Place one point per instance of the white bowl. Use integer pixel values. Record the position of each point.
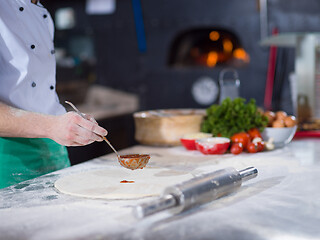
(280, 136)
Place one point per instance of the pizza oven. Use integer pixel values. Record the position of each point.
(207, 47)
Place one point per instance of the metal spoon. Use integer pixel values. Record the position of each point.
(130, 161)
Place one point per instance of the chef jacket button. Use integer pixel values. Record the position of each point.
(21, 9)
(33, 84)
(51, 87)
(33, 46)
(53, 51)
(45, 16)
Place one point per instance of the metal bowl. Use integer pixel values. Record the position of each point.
(280, 136)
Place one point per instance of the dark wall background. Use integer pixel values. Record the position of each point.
(121, 65)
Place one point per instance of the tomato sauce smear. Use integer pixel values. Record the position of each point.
(126, 181)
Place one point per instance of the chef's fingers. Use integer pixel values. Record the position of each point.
(90, 118)
(82, 136)
(91, 127)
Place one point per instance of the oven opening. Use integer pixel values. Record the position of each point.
(207, 47)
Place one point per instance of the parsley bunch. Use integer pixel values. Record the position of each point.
(232, 117)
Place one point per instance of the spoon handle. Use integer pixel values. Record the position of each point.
(104, 138)
(76, 109)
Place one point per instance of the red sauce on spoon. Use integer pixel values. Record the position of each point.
(134, 161)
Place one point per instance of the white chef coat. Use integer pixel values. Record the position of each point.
(27, 57)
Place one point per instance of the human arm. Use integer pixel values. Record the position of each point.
(68, 129)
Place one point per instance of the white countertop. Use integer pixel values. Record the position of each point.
(282, 202)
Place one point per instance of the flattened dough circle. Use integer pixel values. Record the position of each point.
(105, 183)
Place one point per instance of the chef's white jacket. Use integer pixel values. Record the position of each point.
(27, 57)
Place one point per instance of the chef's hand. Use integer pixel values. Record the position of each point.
(71, 129)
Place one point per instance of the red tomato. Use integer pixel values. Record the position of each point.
(236, 148)
(260, 146)
(254, 132)
(252, 147)
(241, 137)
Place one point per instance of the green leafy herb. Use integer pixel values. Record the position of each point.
(232, 117)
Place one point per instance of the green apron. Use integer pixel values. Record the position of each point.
(26, 158)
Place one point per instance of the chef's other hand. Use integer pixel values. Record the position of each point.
(71, 129)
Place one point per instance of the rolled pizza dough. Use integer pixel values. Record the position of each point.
(106, 183)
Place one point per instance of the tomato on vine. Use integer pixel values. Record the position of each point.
(236, 148)
(241, 137)
(254, 133)
(252, 147)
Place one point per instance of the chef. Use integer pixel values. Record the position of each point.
(34, 126)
